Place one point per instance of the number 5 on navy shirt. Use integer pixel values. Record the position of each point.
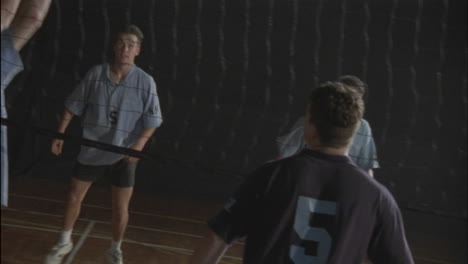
(307, 206)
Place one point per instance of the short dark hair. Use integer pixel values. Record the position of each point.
(336, 111)
(132, 29)
(354, 83)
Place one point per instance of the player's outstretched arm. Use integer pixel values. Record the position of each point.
(27, 20)
(9, 8)
(210, 250)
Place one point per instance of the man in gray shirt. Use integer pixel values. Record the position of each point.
(362, 150)
(118, 105)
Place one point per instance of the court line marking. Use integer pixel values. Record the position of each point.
(31, 227)
(80, 242)
(102, 222)
(6, 220)
(435, 261)
(146, 228)
(99, 222)
(179, 250)
(163, 247)
(175, 249)
(108, 208)
(159, 246)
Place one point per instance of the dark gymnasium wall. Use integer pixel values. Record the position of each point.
(232, 75)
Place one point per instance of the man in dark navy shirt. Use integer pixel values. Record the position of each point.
(316, 206)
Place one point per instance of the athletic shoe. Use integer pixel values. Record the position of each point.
(57, 253)
(114, 256)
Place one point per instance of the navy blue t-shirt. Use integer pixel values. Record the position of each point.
(314, 208)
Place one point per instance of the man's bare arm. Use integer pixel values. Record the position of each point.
(9, 9)
(57, 144)
(27, 20)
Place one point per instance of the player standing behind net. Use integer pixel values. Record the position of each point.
(362, 150)
(20, 20)
(316, 206)
(118, 105)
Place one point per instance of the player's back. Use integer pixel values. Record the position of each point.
(315, 208)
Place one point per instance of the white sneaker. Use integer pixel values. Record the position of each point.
(57, 253)
(114, 256)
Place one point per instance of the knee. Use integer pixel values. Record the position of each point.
(74, 199)
(120, 212)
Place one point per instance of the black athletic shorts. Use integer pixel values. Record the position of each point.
(120, 174)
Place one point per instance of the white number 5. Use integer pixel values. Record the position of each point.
(305, 207)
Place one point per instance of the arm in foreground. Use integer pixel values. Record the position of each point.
(28, 19)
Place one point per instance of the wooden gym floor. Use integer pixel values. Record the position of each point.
(163, 229)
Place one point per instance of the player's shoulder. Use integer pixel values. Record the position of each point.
(97, 71)
(142, 73)
(146, 81)
(365, 126)
(287, 161)
(386, 197)
(378, 192)
(268, 171)
(98, 68)
(365, 122)
(287, 165)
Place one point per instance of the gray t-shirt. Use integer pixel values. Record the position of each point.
(362, 150)
(113, 114)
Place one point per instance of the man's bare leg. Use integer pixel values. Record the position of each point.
(120, 202)
(76, 194)
(78, 190)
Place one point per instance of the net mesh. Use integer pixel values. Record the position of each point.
(233, 75)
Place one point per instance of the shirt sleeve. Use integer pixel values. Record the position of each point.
(388, 243)
(369, 149)
(77, 100)
(372, 154)
(292, 142)
(152, 116)
(363, 150)
(11, 60)
(232, 222)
